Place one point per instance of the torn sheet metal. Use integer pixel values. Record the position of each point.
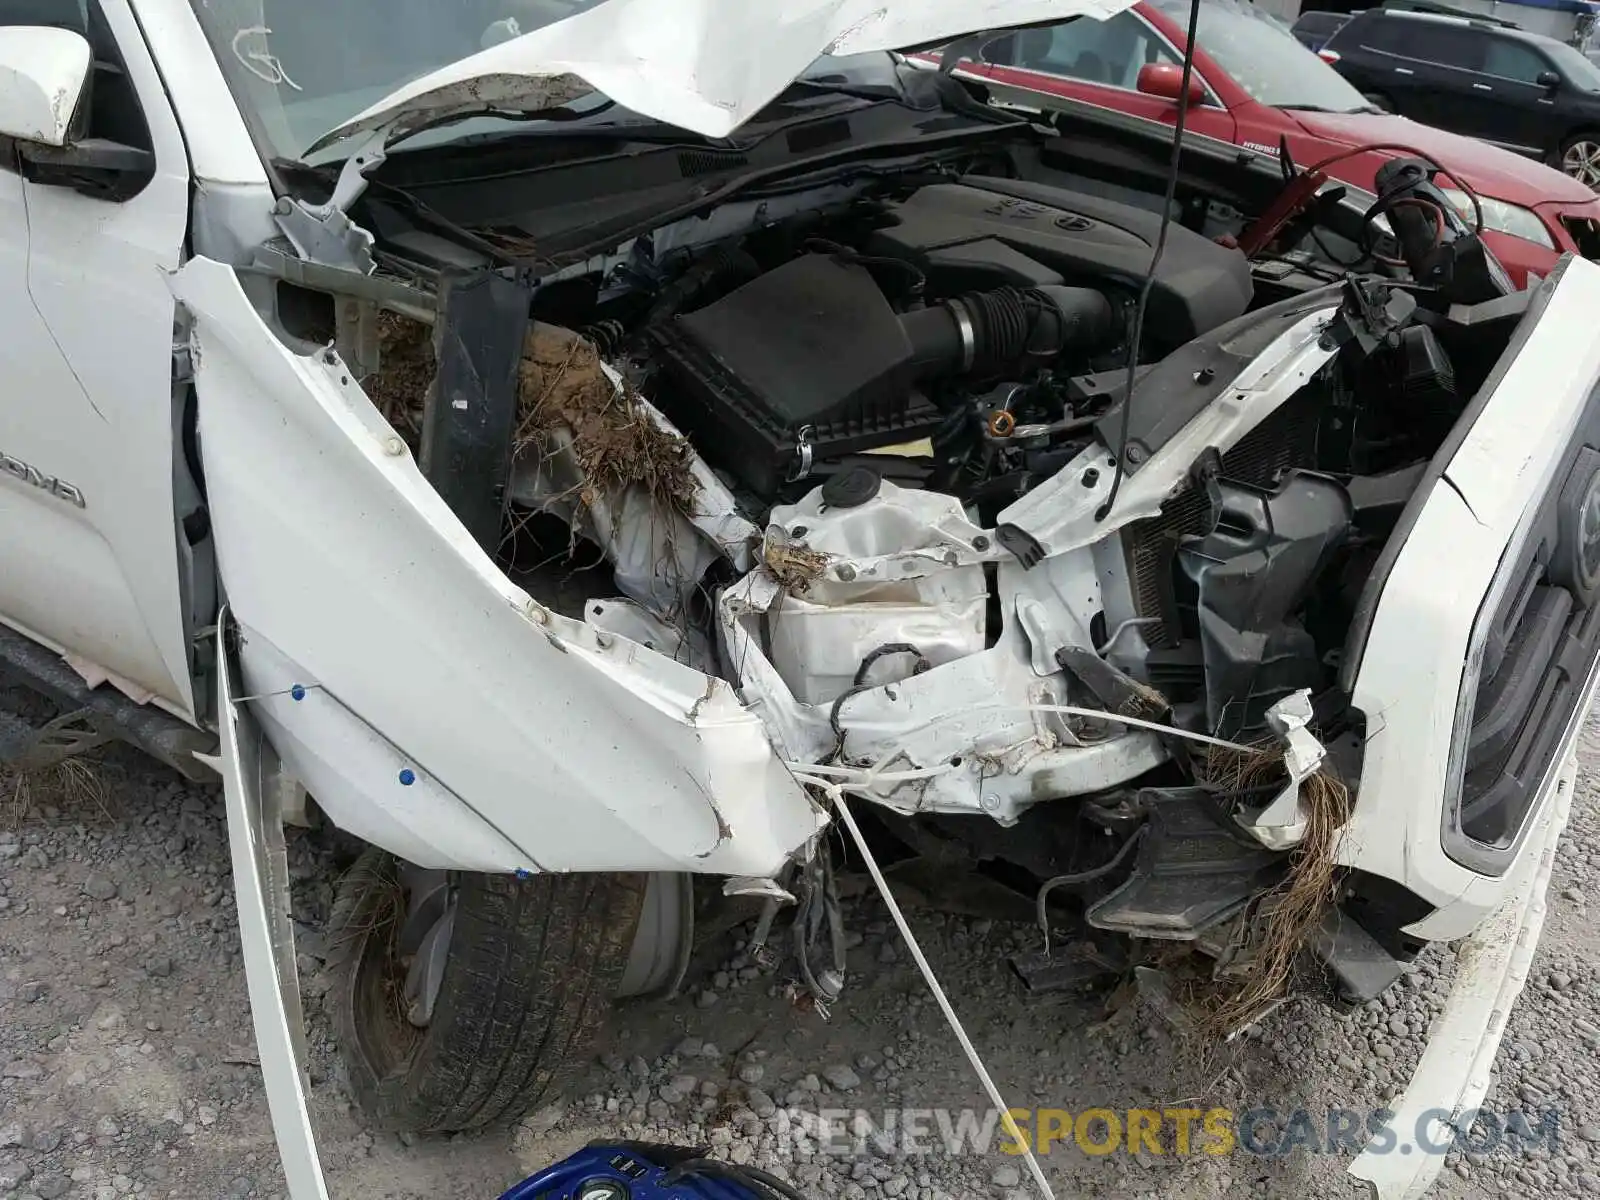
(659, 555)
(682, 643)
(1281, 825)
(977, 728)
(907, 592)
(584, 750)
(707, 65)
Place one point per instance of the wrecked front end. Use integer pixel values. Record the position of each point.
(549, 550)
(565, 555)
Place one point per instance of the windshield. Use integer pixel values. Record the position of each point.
(1264, 58)
(303, 67)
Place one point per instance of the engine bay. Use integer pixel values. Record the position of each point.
(854, 451)
(935, 356)
(882, 379)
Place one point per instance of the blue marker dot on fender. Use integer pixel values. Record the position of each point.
(297, 692)
(407, 776)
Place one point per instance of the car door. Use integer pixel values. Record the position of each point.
(89, 540)
(1508, 104)
(1098, 62)
(1446, 65)
(1380, 55)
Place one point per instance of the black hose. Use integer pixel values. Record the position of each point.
(728, 266)
(1001, 322)
(1104, 869)
(1012, 325)
(983, 334)
(861, 685)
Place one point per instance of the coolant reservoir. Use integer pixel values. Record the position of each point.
(909, 588)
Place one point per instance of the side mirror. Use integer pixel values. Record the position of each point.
(43, 73)
(1166, 80)
(96, 167)
(1548, 79)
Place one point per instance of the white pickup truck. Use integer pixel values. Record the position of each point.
(555, 439)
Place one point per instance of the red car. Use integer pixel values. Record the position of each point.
(1254, 84)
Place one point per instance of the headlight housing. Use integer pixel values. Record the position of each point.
(1503, 217)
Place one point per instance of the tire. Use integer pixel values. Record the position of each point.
(531, 968)
(1579, 156)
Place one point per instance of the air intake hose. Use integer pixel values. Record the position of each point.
(984, 334)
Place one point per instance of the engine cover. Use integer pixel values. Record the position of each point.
(1007, 231)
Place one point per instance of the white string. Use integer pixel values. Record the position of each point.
(835, 792)
(875, 771)
(862, 779)
(288, 691)
(263, 64)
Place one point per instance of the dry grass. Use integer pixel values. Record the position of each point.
(371, 903)
(73, 785)
(614, 441)
(1231, 770)
(562, 388)
(1283, 919)
(406, 367)
(60, 769)
(795, 568)
(377, 902)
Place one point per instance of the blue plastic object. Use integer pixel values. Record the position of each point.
(629, 1171)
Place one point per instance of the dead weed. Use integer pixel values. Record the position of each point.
(795, 567)
(615, 442)
(406, 367)
(1282, 920)
(72, 785)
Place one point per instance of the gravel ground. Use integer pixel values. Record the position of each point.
(127, 1062)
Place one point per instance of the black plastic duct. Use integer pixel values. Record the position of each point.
(1253, 572)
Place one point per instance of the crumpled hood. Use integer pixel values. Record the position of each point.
(1487, 170)
(705, 65)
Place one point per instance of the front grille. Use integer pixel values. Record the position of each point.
(1537, 652)
(1285, 440)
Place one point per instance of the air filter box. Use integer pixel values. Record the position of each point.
(808, 354)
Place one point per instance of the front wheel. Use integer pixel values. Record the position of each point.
(462, 999)
(1579, 157)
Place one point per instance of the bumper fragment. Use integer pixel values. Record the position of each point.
(1492, 968)
(261, 891)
